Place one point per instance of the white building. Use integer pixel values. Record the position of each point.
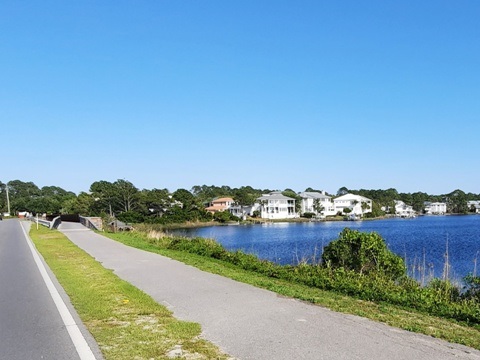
(404, 210)
(318, 203)
(357, 204)
(276, 206)
(242, 211)
(474, 204)
(435, 208)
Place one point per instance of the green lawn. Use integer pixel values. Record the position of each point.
(126, 323)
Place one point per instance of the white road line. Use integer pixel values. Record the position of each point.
(81, 345)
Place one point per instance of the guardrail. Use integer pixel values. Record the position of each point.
(91, 223)
(55, 223)
(39, 221)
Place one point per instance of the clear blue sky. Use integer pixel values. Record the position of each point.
(272, 94)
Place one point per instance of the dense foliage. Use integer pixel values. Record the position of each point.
(365, 253)
(124, 200)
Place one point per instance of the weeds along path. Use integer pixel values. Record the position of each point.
(252, 323)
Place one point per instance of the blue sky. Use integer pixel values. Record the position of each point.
(272, 94)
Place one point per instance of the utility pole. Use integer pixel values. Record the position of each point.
(8, 200)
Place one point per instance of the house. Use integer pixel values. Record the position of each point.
(220, 204)
(435, 208)
(357, 205)
(404, 210)
(474, 206)
(318, 203)
(276, 206)
(241, 211)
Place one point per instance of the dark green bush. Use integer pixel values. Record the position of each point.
(308, 215)
(363, 253)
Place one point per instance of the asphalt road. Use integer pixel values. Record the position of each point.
(31, 326)
(251, 323)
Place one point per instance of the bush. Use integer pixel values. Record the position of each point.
(224, 216)
(131, 217)
(472, 288)
(364, 253)
(309, 215)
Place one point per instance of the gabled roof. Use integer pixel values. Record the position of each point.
(352, 197)
(276, 195)
(216, 208)
(313, 195)
(223, 199)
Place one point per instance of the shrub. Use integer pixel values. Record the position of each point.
(364, 253)
(472, 288)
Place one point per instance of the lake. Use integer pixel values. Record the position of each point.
(422, 241)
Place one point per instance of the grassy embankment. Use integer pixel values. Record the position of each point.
(125, 322)
(407, 306)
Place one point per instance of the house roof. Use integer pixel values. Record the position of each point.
(313, 195)
(276, 195)
(216, 208)
(223, 199)
(352, 197)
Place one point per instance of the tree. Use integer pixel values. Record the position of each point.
(318, 207)
(126, 194)
(457, 202)
(155, 202)
(364, 253)
(224, 216)
(294, 195)
(83, 204)
(103, 192)
(188, 207)
(365, 206)
(342, 191)
(23, 195)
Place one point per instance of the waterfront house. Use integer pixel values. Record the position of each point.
(474, 206)
(220, 204)
(435, 208)
(318, 203)
(403, 210)
(242, 211)
(357, 205)
(276, 206)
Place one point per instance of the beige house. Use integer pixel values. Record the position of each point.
(220, 204)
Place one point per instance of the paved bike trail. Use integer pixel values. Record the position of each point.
(252, 323)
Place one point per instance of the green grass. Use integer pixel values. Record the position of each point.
(394, 315)
(126, 323)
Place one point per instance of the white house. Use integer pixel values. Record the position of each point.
(276, 206)
(403, 210)
(435, 208)
(474, 204)
(357, 204)
(317, 203)
(242, 211)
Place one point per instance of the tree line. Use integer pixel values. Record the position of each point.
(124, 200)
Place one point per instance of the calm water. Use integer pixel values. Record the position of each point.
(289, 243)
